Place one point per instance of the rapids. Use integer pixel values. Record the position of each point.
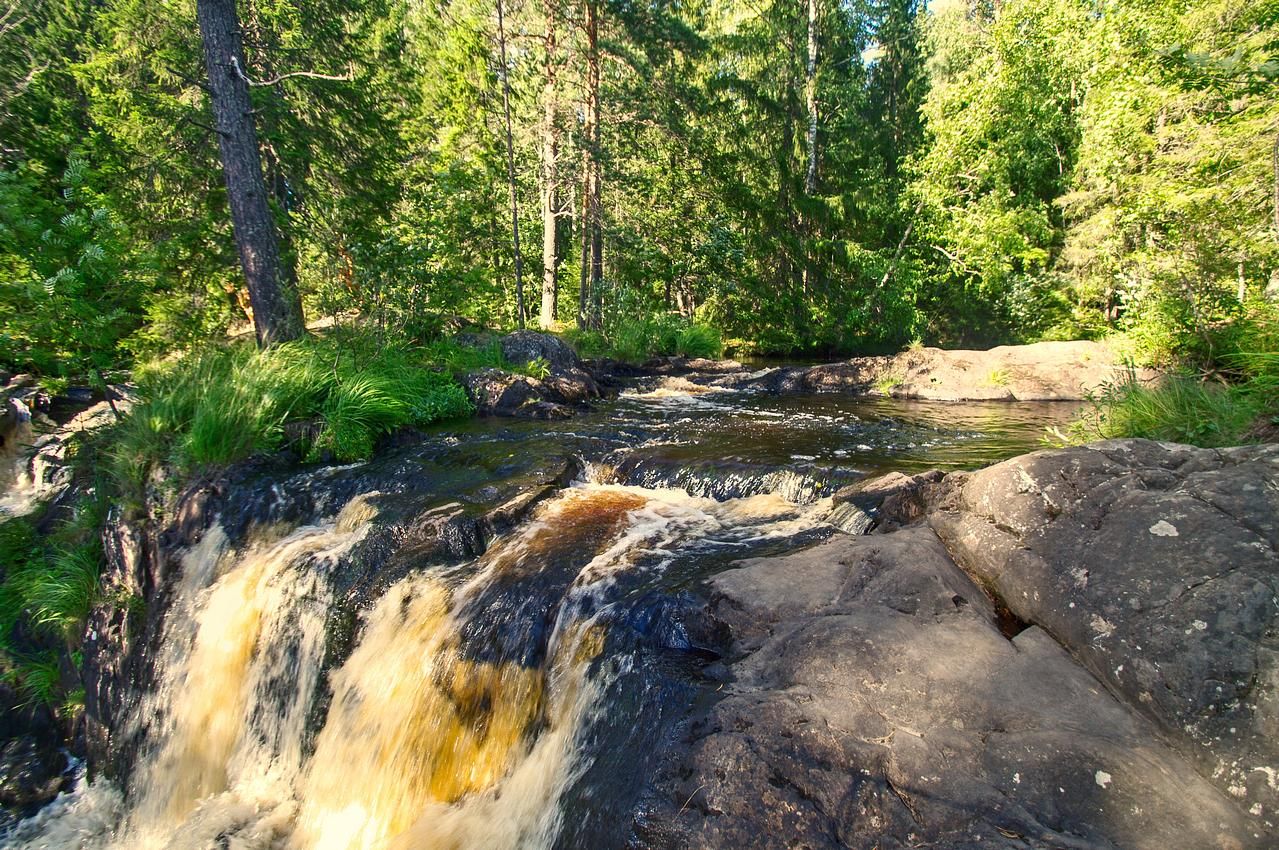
(321, 681)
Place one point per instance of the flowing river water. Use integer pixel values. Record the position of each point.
(324, 680)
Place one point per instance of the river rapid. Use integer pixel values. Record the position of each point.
(483, 638)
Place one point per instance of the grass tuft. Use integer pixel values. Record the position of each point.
(331, 396)
(1179, 409)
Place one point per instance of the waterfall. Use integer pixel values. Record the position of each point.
(455, 721)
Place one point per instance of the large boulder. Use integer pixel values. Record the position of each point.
(524, 347)
(876, 704)
(1157, 567)
(495, 392)
(33, 767)
(1043, 371)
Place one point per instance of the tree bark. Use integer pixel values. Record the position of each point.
(277, 309)
(550, 174)
(510, 171)
(810, 100)
(590, 304)
(1275, 163)
(810, 175)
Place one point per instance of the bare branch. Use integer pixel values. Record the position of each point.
(310, 75)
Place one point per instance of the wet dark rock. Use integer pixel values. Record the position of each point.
(675, 365)
(891, 500)
(131, 580)
(876, 704)
(723, 480)
(15, 424)
(436, 503)
(495, 392)
(33, 765)
(522, 347)
(1157, 567)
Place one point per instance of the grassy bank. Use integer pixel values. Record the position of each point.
(1230, 399)
(326, 397)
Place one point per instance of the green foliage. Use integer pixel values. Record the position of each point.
(1179, 409)
(696, 340)
(70, 292)
(48, 585)
(1241, 405)
(327, 396)
(637, 339)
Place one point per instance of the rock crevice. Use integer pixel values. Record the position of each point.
(1137, 708)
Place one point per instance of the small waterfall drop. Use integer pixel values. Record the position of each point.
(455, 721)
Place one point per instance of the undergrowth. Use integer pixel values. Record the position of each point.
(637, 339)
(48, 585)
(329, 397)
(1236, 402)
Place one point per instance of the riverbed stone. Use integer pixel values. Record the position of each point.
(877, 705)
(495, 392)
(1157, 567)
(893, 500)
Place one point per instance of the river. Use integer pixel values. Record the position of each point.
(363, 657)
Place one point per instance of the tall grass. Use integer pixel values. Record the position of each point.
(1178, 409)
(328, 397)
(48, 585)
(1240, 403)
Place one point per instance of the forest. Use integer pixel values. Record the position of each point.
(247, 245)
(805, 178)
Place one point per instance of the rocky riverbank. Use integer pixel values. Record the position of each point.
(1043, 371)
(1073, 648)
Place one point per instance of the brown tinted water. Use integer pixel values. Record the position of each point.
(507, 700)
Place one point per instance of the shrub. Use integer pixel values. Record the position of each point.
(636, 339)
(699, 341)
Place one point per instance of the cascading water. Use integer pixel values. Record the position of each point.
(454, 722)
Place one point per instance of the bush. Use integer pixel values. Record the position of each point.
(699, 341)
(662, 334)
(1239, 402)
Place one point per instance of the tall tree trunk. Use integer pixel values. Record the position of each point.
(590, 306)
(277, 310)
(810, 100)
(550, 174)
(810, 175)
(1275, 163)
(510, 170)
